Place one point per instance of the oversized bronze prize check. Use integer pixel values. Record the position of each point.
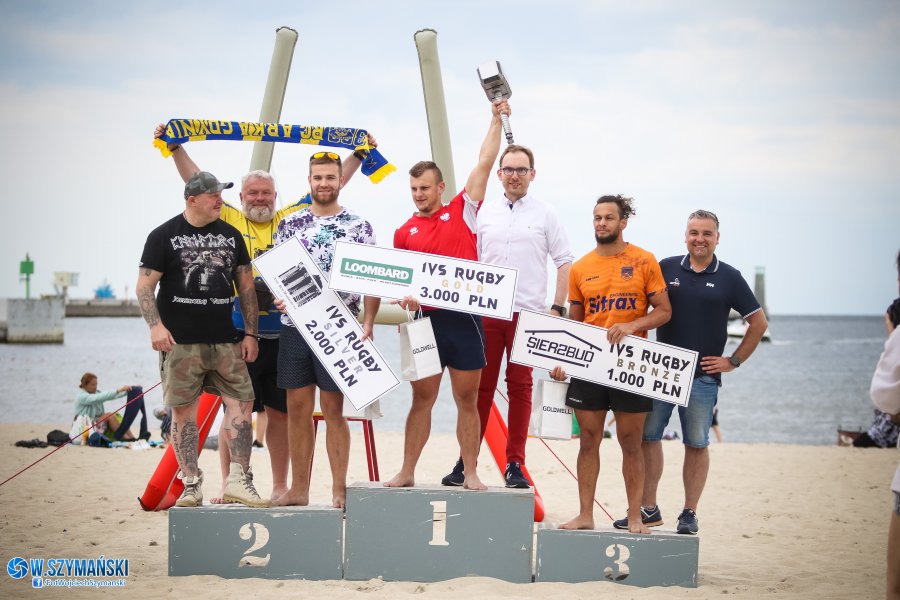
(635, 364)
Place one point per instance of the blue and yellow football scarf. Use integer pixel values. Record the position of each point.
(180, 131)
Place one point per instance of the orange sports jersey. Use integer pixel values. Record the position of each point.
(615, 289)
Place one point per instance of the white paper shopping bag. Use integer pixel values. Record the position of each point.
(550, 417)
(419, 356)
(370, 412)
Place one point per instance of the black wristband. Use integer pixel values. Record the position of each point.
(360, 155)
(253, 335)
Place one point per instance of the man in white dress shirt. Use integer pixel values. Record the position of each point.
(517, 231)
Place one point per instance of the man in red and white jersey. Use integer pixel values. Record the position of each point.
(448, 230)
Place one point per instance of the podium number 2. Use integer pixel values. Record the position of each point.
(439, 524)
(258, 536)
(621, 562)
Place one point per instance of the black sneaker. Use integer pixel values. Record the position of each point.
(514, 477)
(687, 522)
(457, 476)
(650, 518)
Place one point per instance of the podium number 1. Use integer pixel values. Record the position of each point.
(439, 524)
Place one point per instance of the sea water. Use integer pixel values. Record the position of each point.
(813, 377)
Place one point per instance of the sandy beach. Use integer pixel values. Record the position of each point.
(776, 520)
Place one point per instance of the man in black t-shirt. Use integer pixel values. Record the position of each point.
(197, 260)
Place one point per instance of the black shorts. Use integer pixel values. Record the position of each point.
(587, 395)
(264, 377)
(460, 339)
(297, 365)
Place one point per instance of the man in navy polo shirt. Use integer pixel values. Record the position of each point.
(703, 290)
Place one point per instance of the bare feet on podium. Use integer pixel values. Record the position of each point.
(401, 479)
(278, 491)
(473, 482)
(291, 498)
(579, 522)
(339, 496)
(637, 526)
(220, 499)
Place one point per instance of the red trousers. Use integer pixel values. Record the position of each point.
(498, 338)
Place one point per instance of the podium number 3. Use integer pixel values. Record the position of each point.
(621, 562)
(258, 536)
(439, 524)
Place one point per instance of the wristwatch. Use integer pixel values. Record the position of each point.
(734, 360)
(560, 309)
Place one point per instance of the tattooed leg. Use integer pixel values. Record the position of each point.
(185, 437)
(239, 430)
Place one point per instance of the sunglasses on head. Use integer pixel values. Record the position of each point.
(330, 155)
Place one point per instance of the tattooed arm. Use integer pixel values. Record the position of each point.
(250, 310)
(160, 338)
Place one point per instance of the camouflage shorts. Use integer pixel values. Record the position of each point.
(193, 368)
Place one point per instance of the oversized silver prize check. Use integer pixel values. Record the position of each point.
(645, 367)
(326, 324)
(438, 281)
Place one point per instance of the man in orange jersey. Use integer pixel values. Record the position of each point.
(613, 287)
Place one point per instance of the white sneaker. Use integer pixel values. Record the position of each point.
(239, 488)
(192, 495)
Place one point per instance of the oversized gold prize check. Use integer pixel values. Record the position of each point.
(438, 281)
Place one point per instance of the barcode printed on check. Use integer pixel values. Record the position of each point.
(300, 284)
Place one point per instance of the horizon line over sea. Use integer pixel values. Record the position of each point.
(812, 378)
(133, 301)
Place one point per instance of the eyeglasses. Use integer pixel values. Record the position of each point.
(330, 155)
(520, 171)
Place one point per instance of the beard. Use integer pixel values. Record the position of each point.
(259, 214)
(611, 238)
(326, 198)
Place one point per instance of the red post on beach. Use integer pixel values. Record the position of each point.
(496, 435)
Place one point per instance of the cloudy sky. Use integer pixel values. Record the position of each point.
(782, 117)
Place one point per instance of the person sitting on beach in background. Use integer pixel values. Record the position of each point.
(299, 371)
(617, 269)
(191, 328)
(448, 230)
(89, 403)
(885, 393)
(257, 219)
(882, 433)
(703, 291)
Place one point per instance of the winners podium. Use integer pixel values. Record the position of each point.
(429, 533)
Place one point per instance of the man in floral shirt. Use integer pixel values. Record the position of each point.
(299, 371)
